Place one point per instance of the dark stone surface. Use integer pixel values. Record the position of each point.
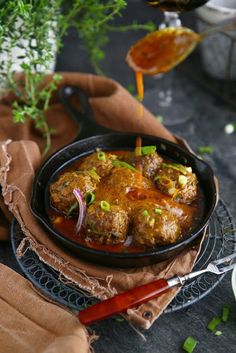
(207, 115)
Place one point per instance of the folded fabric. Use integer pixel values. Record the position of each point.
(31, 324)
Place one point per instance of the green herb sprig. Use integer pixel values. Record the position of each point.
(33, 26)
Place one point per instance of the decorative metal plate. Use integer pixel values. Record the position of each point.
(219, 241)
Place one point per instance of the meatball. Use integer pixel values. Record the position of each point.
(124, 179)
(155, 226)
(177, 181)
(150, 163)
(107, 226)
(61, 191)
(100, 161)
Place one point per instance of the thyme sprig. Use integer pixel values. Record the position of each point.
(33, 26)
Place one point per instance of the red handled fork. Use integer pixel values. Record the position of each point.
(136, 296)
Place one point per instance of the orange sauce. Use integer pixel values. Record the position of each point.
(66, 225)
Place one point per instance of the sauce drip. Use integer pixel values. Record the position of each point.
(138, 144)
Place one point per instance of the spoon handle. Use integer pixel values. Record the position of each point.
(123, 301)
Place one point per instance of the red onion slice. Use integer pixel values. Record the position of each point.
(128, 240)
(82, 209)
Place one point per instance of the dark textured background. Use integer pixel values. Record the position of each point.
(207, 115)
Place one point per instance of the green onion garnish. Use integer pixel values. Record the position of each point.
(182, 180)
(94, 175)
(158, 211)
(225, 312)
(157, 177)
(189, 344)
(152, 222)
(179, 167)
(105, 206)
(71, 209)
(218, 333)
(101, 156)
(145, 213)
(214, 323)
(205, 149)
(119, 319)
(148, 149)
(89, 198)
(122, 164)
(159, 118)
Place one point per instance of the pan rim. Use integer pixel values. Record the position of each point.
(160, 250)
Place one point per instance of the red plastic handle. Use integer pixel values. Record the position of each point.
(121, 302)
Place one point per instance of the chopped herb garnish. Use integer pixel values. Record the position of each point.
(205, 149)
(226, 312)
(189, 344)
(218, 333)
(122, 164)
(148, 149)
(157, 177)
(152, 222)
(94, 175)
(179, 167)
(101, 156)
(158, 211)
(145, 213)
(71, 209)
(119, 319)
(131, 88)
(182, 180)
(105, 206)
(89, 198)
(214, 323)
(159, 118)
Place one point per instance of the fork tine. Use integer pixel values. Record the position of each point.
(227, 268)
(225, 259)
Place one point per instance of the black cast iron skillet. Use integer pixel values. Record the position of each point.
(109, 141)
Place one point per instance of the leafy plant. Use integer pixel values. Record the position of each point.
(33, 26)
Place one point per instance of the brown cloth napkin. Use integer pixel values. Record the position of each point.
(30, 324)
(113, 107)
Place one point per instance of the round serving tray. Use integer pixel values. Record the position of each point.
(220, 241)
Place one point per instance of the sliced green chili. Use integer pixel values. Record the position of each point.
(122, 164)
(226, 312)
(89, 198)
(148, 149)
(214, 323)
(189, 344)
(101, 156)
(158, 211)
(145, 213)
(105, 206)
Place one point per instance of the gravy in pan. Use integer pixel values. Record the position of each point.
(136, 200)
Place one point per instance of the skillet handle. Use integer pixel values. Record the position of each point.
(84, 117)
(123, 301)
